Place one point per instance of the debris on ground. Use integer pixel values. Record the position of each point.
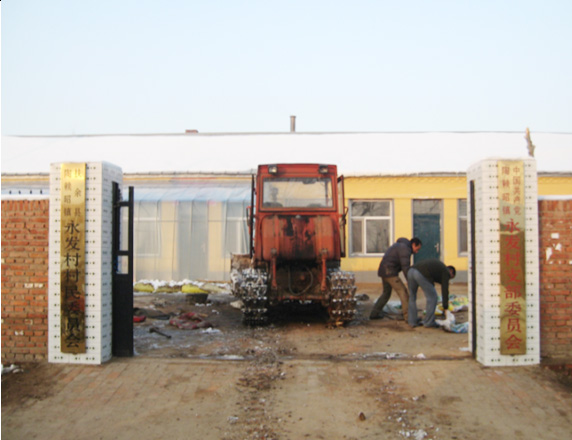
(185, 286)
(255, 419)
(456, 304)
(237, 304)
(446, 319)
(11, 369)
(159, 332)
(190, 321)
(418, 434)
(392, 310)
(460, 328)
(449, 323)
(151, 314)
(387, 355)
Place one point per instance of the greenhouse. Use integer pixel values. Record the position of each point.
(189, 230)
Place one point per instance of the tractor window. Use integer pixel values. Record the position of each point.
(311, 192)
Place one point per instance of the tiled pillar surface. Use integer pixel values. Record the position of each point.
(487, 248)
(98, 241)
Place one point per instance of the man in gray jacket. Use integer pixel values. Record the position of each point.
(425, 274)
(397, 258)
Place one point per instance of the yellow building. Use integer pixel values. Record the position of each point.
(432, 207)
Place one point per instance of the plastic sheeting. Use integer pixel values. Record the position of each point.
(190, 231)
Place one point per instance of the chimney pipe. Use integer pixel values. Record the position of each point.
(292, 124)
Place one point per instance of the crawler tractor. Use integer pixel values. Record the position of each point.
(296, 224)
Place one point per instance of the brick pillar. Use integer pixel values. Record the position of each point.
(555, 230)
(25, 243)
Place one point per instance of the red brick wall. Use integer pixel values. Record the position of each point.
(25, 242)
(555, 242)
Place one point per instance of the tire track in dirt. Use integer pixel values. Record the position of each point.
(254, 418)
(397, 413)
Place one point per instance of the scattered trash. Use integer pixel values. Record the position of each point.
(460, 328)
(456, 304)
(152, 314)
(392, 310)
(192, 289)
(362, 297)
(197, 298)
(420, 356)
(159, 332)
(386, 355)
(236, 304)
(361, 416)
(232, 357)
(210, 330)
(139, 318)
(12, 369)
(143, 286)
(190, 321)
(447, 322)
(185, 286)
(159, 303)
(450, 325)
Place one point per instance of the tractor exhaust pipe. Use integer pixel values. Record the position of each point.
(292, 124)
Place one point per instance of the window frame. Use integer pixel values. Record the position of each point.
(460, 220)
(363, 220)
(294, 182)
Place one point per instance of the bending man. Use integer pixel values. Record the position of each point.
(425, 274)
(397, 258)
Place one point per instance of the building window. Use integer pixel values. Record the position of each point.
(463, 238)
(370, 227)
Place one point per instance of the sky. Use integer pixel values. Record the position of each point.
(138, 67)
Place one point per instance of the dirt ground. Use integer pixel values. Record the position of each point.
(301, 329)
(293, 379)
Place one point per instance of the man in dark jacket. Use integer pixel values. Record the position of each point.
(397, 258)
(425, 274)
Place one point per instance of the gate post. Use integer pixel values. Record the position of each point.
(80, 262)
(122, 275)
(504, 327)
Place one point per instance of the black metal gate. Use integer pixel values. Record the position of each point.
(473, 267)
(122, 277)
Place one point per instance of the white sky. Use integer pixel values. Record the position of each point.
(140, 66)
